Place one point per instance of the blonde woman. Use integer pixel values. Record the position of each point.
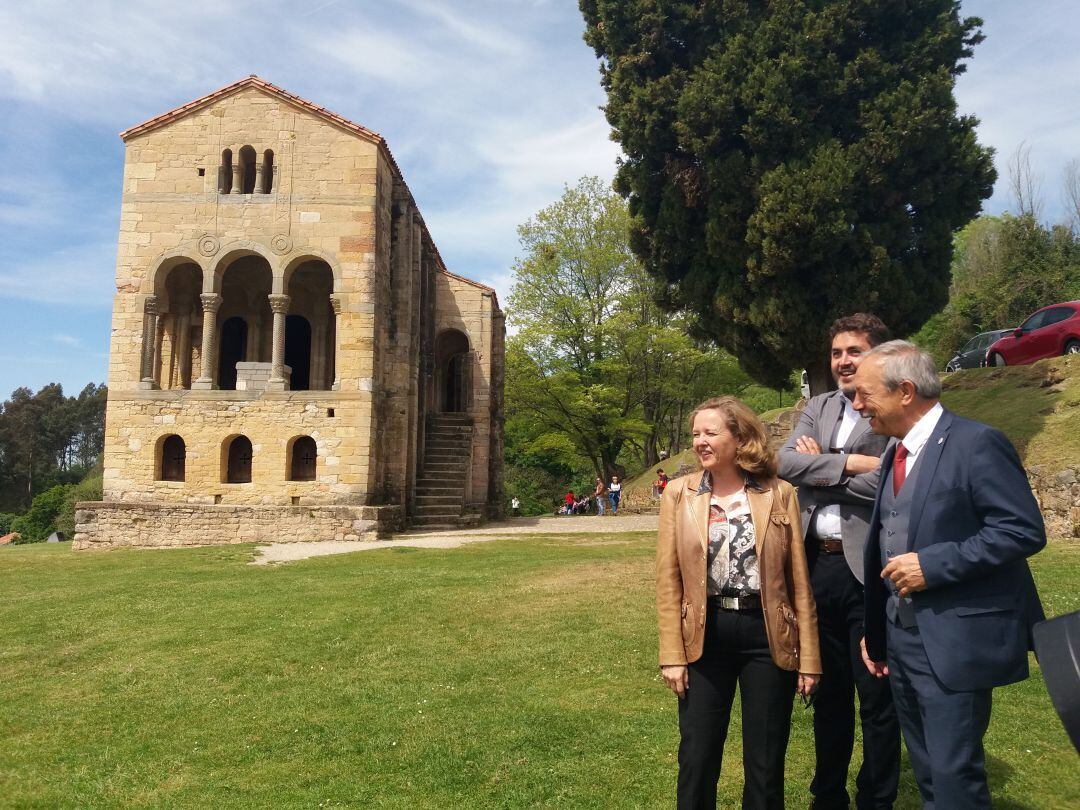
(734, 605)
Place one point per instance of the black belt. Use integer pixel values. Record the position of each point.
(748, 602)
(830, 546)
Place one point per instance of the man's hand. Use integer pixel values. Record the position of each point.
(677, 678)
(877, 668)
(857, 464)
(807, 445)
(906, 573)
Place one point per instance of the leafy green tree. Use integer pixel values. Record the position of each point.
(790, 162)
(595, 368)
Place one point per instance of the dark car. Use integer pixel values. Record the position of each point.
(1051, 331)
(973, 353)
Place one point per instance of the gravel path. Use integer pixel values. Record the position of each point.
(289, 552)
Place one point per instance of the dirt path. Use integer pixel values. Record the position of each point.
(289, 552)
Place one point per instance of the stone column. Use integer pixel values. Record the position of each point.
(237, 174)
(149, 342)
(258, 176)
(279, 304)
(317, 363)
(335, 303)
(211, 302)
(182, 349)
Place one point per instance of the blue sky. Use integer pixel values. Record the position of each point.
(489, 106)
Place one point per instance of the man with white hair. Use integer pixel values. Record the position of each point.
(950, 600)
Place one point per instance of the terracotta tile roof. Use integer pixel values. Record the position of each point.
(296, 101)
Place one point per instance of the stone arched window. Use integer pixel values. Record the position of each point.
(303, 459)
(225, 172)
(267, 172)
(171, 461)
(247, 169)
(238, 461)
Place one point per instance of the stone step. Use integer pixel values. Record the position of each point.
(441, 511)
(435, 500)
(442, 466)
(462, 446)
(440, 457)
(437, 486)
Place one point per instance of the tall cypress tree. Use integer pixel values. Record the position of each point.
(791, 161)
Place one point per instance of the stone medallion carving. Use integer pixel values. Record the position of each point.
(281, 244)
(209, 245)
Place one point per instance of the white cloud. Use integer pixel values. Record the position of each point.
(70, 341)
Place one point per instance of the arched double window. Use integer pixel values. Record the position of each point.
(172, 459)
(248, 175)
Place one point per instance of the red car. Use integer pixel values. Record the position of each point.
(1051, 331)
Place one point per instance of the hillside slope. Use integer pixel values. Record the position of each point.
(1037, 407)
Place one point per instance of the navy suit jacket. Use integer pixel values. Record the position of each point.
(974, 521)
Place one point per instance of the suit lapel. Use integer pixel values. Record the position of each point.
(761, 501)
(860, 428)
(830, 414)
(927, 464)
(698, 504)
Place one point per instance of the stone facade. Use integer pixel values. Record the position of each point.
(283, 332)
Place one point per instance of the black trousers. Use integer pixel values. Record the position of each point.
(736, 652)
(840, 610)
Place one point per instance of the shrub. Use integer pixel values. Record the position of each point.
(40, 521)
(6, 520)
(89, 489)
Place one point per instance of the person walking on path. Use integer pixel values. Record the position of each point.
(600, 493)
(615, 489)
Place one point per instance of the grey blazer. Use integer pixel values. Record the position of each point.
(821, 479)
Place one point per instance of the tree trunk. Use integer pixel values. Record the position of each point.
(820, 377)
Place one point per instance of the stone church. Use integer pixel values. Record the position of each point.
(290, 357)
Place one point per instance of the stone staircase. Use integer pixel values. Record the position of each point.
(440, 486)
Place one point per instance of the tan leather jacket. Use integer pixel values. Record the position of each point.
(682, 560)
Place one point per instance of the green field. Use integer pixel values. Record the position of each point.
(516, 673)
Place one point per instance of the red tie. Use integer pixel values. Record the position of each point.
(899, 468)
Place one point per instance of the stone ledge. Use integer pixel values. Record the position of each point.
(110, 524)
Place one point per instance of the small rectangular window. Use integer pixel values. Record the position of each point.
(330, 412)
(202, 172)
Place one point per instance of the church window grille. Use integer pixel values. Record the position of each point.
(173, 458)
(238, 470)
(304, 459)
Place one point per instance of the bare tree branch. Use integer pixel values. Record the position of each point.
(1026, 186)
(1071, 182)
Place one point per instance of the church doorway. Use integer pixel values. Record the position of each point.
(453, 372)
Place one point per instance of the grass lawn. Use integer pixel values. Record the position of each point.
(505, 674)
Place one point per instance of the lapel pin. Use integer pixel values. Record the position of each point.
(941, 440)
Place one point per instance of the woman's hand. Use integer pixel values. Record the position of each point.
(807, 684)
(677, 678)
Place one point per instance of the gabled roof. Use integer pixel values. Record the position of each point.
(266, 87)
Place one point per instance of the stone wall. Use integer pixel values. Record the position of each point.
(155, 525)
(1058, 494)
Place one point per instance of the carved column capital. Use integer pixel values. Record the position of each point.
(211, 302)
(279, 304)
(150, 305)
(335, 304)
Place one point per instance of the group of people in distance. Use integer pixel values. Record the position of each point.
(602, 495)
(897, 571)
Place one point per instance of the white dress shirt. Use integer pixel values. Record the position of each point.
(916, 438)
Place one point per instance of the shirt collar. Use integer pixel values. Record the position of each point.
(706, 483)
(920, 432)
